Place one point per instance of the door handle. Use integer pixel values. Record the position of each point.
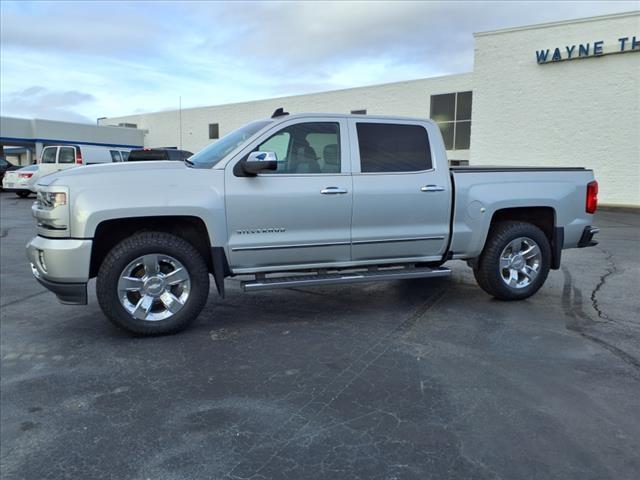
(333, 191)
(432, 188)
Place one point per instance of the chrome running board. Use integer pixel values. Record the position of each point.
(341, 278)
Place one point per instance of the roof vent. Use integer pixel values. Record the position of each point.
(279, 113)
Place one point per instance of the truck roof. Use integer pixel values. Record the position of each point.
(283, 117)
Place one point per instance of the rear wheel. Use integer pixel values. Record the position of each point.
(153, 283)
(515, 261)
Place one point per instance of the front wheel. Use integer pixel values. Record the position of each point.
(153, 283)
(515, 261)
(23, 194)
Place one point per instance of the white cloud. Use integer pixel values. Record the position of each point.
(141, 56)
(41, 102)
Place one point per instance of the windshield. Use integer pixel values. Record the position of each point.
(212, 154)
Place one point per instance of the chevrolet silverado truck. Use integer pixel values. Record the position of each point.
(300, 200)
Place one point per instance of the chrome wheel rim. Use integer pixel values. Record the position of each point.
(520, 262)
(154, 287)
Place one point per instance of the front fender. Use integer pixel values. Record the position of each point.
(90, 207)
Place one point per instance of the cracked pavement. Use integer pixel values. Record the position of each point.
(399, 380)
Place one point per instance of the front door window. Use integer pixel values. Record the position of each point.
(304, 148)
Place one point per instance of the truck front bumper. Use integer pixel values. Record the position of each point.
(62, 266)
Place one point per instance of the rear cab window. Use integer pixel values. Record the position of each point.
(174, 155)
(49, 155)
(393, 148)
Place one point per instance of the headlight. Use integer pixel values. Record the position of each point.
(52, 221)
(49, 200)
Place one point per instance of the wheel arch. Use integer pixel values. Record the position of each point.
(109, 233)
(543, 217)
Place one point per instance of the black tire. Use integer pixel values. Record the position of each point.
(487, 269)
(146, 243)
(23, 194)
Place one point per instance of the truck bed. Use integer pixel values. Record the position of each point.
(478, 192)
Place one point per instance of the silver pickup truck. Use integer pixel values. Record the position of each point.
(300, 200)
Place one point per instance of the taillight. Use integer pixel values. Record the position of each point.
(78, 157)
(592, 197)
(25, 175)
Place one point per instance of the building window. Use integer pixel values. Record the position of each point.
(214, 131)
(358, 112)
(452, 113)
(127, 125)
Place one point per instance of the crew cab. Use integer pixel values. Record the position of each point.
(300, 200)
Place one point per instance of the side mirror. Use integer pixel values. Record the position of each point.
(258, 162)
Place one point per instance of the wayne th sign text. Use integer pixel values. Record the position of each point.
(586, 50)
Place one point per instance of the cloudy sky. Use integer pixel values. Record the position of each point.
(82, 60)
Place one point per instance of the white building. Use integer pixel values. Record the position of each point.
(22, 139)
(564, 93)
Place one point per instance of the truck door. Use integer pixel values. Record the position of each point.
(66, 158)
(48, 161)
(401, 195)
(299, 214)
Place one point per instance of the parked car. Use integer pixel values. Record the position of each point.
(21, 181)
(62, 157)
(154, 154)
(301, 200)
(6, 166)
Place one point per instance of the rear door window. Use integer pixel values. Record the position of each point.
(49, 155)
(67, 155)
(115, 156)
(390, 147)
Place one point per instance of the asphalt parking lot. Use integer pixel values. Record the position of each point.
(400, 380)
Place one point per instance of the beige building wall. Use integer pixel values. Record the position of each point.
(583, 112)
(411, 98)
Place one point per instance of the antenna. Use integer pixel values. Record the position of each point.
(279, 113)
(180, 118)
